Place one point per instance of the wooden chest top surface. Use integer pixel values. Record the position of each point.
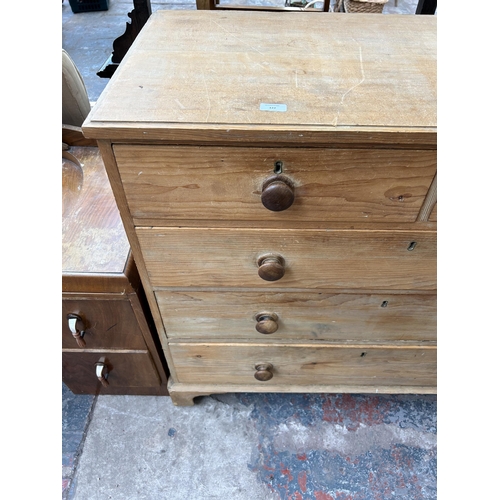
(206, 70)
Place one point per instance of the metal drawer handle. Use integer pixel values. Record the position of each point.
(73, 320)
(101, 371)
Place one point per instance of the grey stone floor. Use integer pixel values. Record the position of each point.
(237, 446)
(269, 446)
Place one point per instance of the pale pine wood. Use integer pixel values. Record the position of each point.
(433, 214)
(430, 201)
(306, 364)
(184, 394)
(185, 397)
(331, 71)
(301, 315)
(226, 183)
(269, 136)
(313, 259)
(422, 226)
(187, 149)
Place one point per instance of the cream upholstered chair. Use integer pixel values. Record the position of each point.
(75, 100)
(75, 103)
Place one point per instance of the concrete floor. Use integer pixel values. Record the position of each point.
(237, 446)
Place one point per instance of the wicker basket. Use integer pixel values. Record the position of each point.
(373, 6)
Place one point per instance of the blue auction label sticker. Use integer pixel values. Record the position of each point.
(272, 107)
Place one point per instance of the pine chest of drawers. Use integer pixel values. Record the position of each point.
(276, 176)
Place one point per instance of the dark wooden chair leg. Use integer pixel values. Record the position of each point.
(427, 7)
(138, 16)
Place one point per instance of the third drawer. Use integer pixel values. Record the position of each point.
(269, 316)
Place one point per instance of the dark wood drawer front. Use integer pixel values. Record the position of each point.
(124, 371)
(305, 364)
(202, 183)
(267, 316)
(109, 323)
(315, 259)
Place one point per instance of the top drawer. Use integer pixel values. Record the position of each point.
(353, 185)
(106, 323)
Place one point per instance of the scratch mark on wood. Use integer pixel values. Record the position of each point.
(348, 91)
(235, 37)
(208, 95)
(180, 104)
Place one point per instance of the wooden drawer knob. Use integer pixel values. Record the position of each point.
(271, 267)
(277, 193)
(266, 323)
(263, 373)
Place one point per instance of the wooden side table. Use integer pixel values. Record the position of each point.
(109, 342)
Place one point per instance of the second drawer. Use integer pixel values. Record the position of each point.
(316, 259)
(379, 318)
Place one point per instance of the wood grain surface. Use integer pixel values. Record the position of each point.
(128, 372)
(228, 314)
(192, 125)
(305, 364)
(109, 323)
(313, 259)
(200, 183)
(220, 68)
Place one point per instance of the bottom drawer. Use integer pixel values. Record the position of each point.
(304, 365)
(127, 372)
